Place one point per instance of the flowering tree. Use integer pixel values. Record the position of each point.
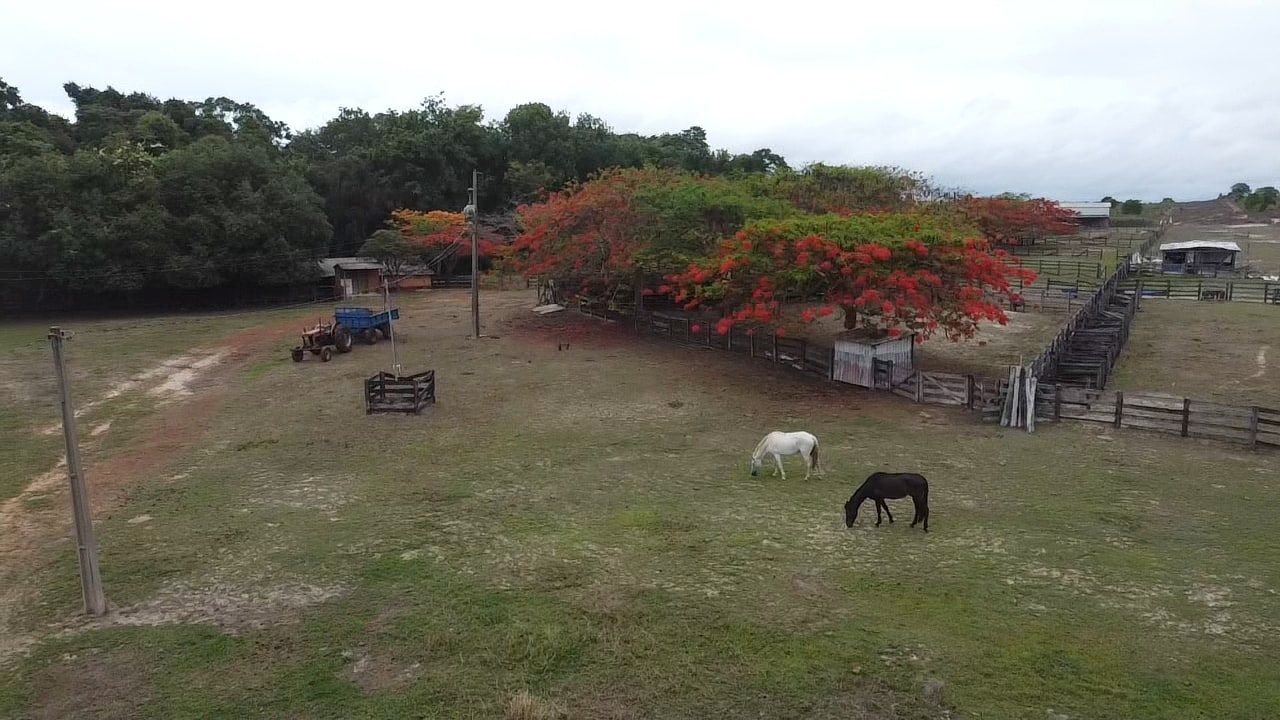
(441, 237)
(1009, 220)
(592, 229)
(609, 231)
(889, 273)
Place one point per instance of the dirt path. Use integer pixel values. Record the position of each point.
(187, 392)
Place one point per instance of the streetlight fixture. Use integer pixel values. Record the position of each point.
(471, 213)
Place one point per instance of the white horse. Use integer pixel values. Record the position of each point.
(778, 443)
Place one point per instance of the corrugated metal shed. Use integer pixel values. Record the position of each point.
(856, 353)
(1200, 245)
(329, 266)
(1088, 209)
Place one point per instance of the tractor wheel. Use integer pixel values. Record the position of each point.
(342, 339)
(326, 354)
(370, 336)
(297, 354)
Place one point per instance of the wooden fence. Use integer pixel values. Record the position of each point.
(1055, 402)
(1050, 359)
(931, 388)
(1063, 268)
(1194, 288)
(796, 353)
(1249, 425)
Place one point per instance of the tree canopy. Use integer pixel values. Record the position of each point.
(857, 240)
(139, 195)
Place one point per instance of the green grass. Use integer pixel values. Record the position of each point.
(559, 524)
(100, 354)
(1220, 352)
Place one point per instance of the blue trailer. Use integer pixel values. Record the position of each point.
(365, 323)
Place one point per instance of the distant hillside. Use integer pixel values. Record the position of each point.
(1223, 211)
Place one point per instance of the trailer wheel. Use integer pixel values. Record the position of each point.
(297, 354)
(326, 354)
(370, 335)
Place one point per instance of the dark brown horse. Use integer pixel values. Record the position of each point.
(881, 486)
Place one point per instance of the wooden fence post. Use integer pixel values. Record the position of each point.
(775, 347)
(751, 344)
(919, 386)
(1230, 289)
(1253, 426)
(1119, 407)
(688, 333)
(968, 392)
(1057, 402)
(1186, 415)
(804, 350)
(831, 369)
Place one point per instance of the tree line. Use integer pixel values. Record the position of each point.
(137, 197)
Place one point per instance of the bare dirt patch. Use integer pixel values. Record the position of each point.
(376, 673)
(226, 606)
(171, 379)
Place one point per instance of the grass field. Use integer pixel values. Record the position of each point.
(577, 529)
(1204, 351)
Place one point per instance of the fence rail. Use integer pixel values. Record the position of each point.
(1187, 288)
(1249, 425)
(796, 353)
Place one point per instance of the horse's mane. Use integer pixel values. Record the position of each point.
(760, 447)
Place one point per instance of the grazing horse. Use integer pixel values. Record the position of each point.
(881, 486)
(778, 443)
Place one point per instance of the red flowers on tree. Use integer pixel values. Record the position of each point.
(593, 229)
(894, 285)
(1006, 220)
(902, 267)
(438, 231)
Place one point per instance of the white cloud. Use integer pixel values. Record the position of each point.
(1073, 100)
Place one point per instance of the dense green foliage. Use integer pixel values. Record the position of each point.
(144, 197)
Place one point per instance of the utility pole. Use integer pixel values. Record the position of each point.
(475, 253)
(95, 602)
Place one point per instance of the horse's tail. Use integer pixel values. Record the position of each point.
(816, 465)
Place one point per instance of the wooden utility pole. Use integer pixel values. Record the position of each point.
(95, 602)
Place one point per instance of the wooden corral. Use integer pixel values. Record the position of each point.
(1086, 349)
(856, 354)
(387, 392)
(1250, 425)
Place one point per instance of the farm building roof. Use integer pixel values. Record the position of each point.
(1088, 209)
(1200, 245)
(328, 266)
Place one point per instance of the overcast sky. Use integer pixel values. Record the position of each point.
(1069, 99)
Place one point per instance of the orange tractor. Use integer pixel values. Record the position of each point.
(323, 340)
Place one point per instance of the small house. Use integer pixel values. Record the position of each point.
(859, 352)
(410, 277)
(352, 275)
(1199, 257)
